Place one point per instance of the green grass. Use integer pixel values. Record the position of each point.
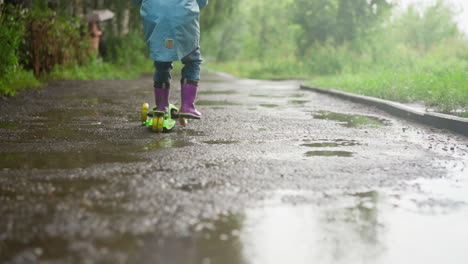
(441, 87)
(97, 69)
(18, 80)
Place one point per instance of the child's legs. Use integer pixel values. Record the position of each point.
(162, 74)
(191, 70)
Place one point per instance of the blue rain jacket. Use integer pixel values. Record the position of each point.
(171, 27)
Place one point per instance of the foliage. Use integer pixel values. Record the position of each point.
(126, 60)
(53, 40)
(337, 21)
(12, 31)
(422, 30)
(11, 35)
(16, 80)
(216, 13)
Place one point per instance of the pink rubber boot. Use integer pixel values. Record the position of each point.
(161, 97)
(188, 96)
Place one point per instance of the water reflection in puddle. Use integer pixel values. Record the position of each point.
(62, 160)
(65, 116)
(350, 228)
(106, 153)
(352, 121)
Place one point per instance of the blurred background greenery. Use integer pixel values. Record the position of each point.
(370, 47)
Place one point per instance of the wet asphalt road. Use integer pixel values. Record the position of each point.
(272, 174)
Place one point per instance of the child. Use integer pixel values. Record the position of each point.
(172, 32)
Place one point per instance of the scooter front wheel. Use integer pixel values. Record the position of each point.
(158, 124)
(144, 113)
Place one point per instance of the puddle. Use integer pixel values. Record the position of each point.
(269, 105)
(207, 102)
(297, 102)
(351, 121)
(64, 116)
(9, 125)
(56, 132)
(210, 92)
(349, 228)
(100, 152)
(332, 144)
(63, 160)
(222, 142)
(450, 193)
(326, 153)
(91, 100)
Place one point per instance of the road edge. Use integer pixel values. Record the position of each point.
(455, 124)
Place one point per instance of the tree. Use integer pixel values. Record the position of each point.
(216, 13)
(337, 21)
(421, 30)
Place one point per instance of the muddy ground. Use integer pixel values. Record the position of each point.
(271, 174)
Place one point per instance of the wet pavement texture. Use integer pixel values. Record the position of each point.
(270, 175)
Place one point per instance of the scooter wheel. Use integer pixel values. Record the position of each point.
(158, 122)
(144, 113)
(183, 121)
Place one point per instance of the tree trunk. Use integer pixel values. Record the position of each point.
(77, 7)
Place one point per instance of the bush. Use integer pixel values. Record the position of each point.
(12, 31)
(54, 40)
(17, 80)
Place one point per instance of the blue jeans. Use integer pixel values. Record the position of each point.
(190, 71)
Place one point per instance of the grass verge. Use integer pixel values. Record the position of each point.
(440, 84)
(443, 89)
(18, 80)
